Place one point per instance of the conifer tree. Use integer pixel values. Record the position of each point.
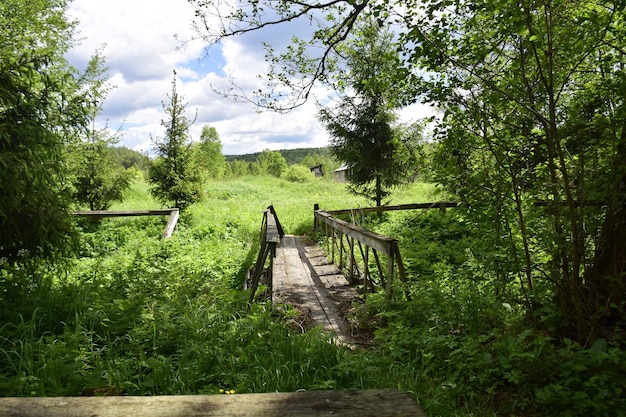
(362, 125)
(44, 106)
(172, 175)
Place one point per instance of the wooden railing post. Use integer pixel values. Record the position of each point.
(316, 207)
(334, 242)
(390, 274)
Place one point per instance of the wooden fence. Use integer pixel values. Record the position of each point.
(441, 205)
(169, 227)
(271, 232)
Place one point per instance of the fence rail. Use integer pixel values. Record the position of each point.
(441, 205)
(173, 214)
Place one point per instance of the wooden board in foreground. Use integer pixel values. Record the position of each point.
(356, 403)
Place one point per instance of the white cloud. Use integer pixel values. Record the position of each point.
(141, 52)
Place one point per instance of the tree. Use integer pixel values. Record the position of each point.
(127, 158)
(44, 105)
(271, 162)
(538, 115)
(97, 179)
(208, 153)
(362, 125)
(173, 177)
(239, 168)
(301, 71)
(534, 112)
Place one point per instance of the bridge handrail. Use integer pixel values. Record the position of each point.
(378, 243)
(441, 205)
(372, 239)
(271, 233)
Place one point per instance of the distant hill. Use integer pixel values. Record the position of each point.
(292, 156)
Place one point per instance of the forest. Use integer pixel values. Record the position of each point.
(514, 300)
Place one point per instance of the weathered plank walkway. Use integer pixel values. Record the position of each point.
(304, 278)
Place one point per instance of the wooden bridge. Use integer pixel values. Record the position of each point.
(323, 286)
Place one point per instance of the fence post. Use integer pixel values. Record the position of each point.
(352, 259)
(316, 207)
(390, 274)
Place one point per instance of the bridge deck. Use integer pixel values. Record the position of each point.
(304, 278)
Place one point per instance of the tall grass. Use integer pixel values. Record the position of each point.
(136, 314)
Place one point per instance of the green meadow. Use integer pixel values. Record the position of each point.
(134, 314)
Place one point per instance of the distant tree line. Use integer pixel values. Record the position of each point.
(292, 156)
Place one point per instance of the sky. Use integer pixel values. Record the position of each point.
(142, 43)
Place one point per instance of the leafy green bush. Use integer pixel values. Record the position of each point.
(298, 173)
(581, 381)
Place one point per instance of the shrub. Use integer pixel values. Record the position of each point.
(298, 173)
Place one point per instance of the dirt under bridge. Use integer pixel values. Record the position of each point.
(304, 278)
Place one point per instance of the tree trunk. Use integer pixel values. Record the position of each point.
(379, 191)
(605, 281)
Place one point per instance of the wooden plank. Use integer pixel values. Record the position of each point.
(390, 275)
(417, 206)
(361, 403)
(123, 213)
(341, 250)
(442, 205)
(380, 268)
(352, 260)
(266, 249)
(279, 227)
(272, 232)
(169, 227)
(171, 224)
(334, 242)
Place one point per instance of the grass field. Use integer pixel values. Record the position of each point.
(134, 314)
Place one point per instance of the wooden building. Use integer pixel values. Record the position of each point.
(341, 173)
(317, 170)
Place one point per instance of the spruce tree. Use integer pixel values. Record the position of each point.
(362, 125)
(172, 175)
(45, 105)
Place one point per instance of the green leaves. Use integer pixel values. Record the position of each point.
(43, 108)
(98, 180)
